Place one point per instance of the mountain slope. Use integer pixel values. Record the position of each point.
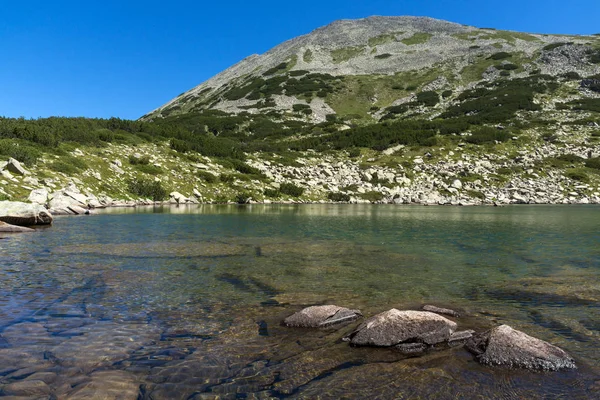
(402, 54)
(382, 109)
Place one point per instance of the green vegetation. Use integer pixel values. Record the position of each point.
(69, 165)
(502, 55)
(338, 197)
(553, 46)
(500, 101)
(578, 174)
(346, 54)
(383, 39)
(291, 190)
(147, 188)
(417, 38)
(308, 56)
(593, 163)
(428, 98)
(488, 135)
(383, 56)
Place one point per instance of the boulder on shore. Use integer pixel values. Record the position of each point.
(321, 316)
(505, 346)
(24, 214)
(8, 228)
(394, 327)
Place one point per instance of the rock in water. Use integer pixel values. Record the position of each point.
(394, 327)
(320, 316)
(509, 347)
(4, 227)
(439, 310)
(24, 214)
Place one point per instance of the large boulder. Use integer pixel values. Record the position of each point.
(24, 214)
(8, 228)
(505, 346)
(394, 327)
(15, 167)
(320, 316)
(38, 196)
(68, 201)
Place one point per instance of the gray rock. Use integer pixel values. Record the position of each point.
(8, 228)
(393, 327)
(27, 388)
(320, 316)
(15, 167)
(505, 346)
(38, 196)
(24, 214)
(438, 310)
(460, 337)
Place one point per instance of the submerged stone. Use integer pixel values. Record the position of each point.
(439, 310)
(8, 228)
(321, 316)
(505, 346)
(393, 327)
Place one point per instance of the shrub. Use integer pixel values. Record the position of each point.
(272, 193)
(571, 75)
(488, 135)
(19, 150)
(553, 46)
(428, 98)
(147, 188)
(383, 56)
(500, 56)
(144, 160)
(148, 169)
(372, 196)
(446, 93)
(577, 175)
(68, 165)
(572, 158)
(243, 198)
(354, 152)
(291, 190)
(593, 163)
(338, 197)
(208, 177)
(227, 178)
(507, 67)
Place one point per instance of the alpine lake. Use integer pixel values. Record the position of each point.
(187, 302)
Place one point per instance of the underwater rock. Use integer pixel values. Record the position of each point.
(505, 346)
(460, 337)
(8, 228)
(393, 327)
(320, 316)
(438, 310)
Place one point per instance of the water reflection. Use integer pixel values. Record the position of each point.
(188, 305)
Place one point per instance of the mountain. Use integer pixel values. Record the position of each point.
(379, 62)
(381, 109)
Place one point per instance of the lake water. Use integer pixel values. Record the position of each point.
(186, 303)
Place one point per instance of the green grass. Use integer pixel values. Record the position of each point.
(347, 53)
(417, 38)
(308, 56)
(383, 39)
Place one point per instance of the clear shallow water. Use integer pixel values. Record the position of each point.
(186, 302)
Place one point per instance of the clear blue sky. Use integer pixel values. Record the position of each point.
(124, 58)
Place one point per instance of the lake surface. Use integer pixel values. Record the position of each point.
(186, 303)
